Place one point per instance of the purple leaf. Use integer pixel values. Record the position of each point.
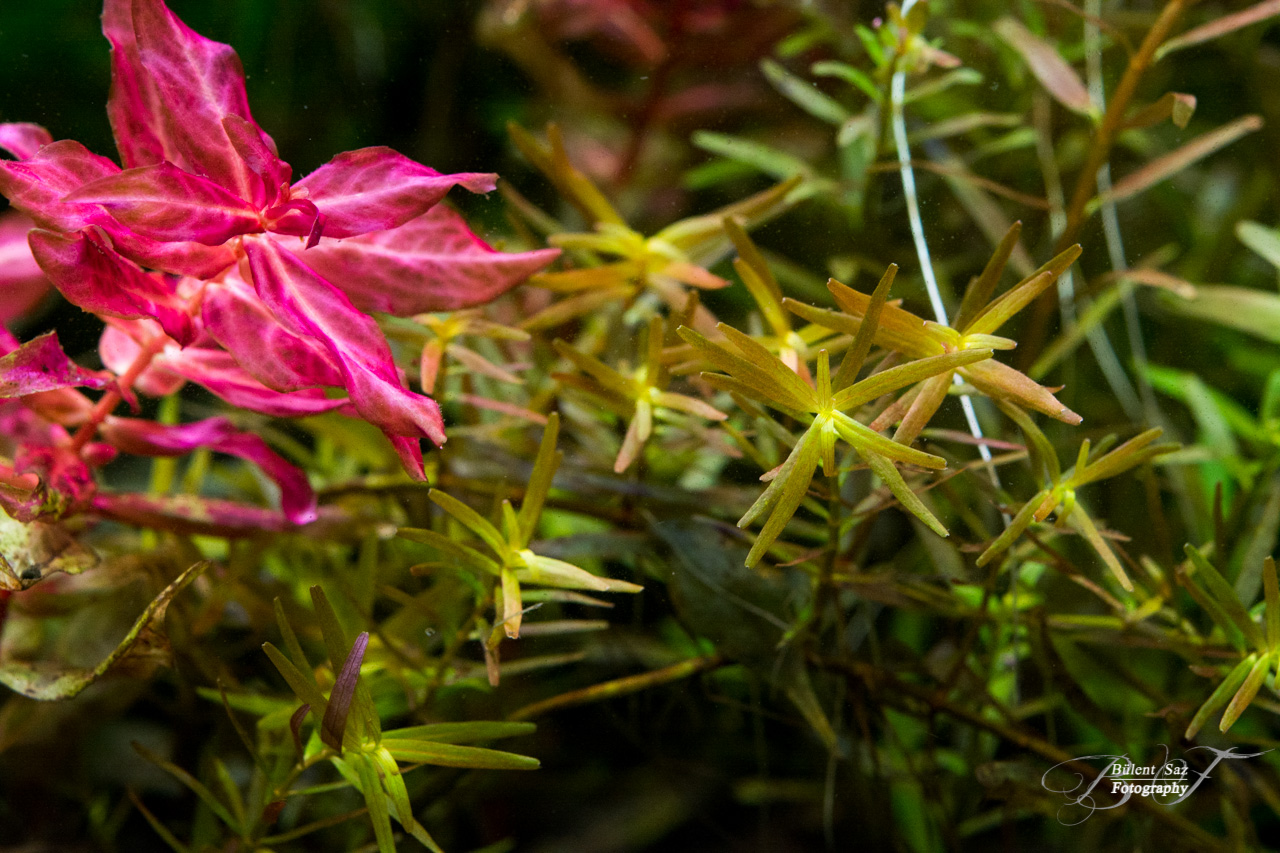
(334, 724)
(431, 263)
(86, 270)
(295, 728)
(373, 189)
(175, 88)
(147, 438)
(220, 374)
(281, 360)
(41, 365)
(163, 202)
(308, 305)
(23, 140)
(22, 283)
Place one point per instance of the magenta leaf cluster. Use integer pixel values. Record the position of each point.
(211, 265)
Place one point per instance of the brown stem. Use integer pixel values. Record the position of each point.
(1099, 151)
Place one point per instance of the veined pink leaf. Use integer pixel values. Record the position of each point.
(219, 372)
(134, 107)
(431, 263)
(261, 157)
(36, 186)
(281, 360)
(98, 280)
(41, 365)
(183, 86)
(180, 258)
(22, 282)
(308, 305)
(22, 139)
(373, 189)
(165, 203)
(148, 438)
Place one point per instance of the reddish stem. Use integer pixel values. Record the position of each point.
(112, 398)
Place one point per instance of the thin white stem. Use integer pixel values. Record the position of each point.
(897, 95)
(1110, 220)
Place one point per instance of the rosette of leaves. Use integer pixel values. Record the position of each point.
(980, 316)
(751, 371)
(512, 563)
(665, 264)
(640, 395)
(1092, 465)
(350, 735)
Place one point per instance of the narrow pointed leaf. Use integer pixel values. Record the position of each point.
(910, 501)
(451, 755)
(1172, 163)
(334, 724)
(982, 288)
(854, 357)
(1058, 78)
(1245, 694)
(1220, 695)
(1220, 26)
(1225, 595)
(459, 732)
(910, 373)
(41, 365)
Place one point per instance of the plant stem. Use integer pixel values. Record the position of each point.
(1099, 152)
(107, 404)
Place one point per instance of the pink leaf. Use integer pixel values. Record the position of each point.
(37, 185)
(180, 258)
(174, 95)
(165, 203)
(220, 374)
(431, 263)
(85, 269)
(22, 283)
(308, 305)
(41, 365)
(147, 438)
(373, 189)
(121, 344)
(334, 724)
(281, 360)
(188, 514)
(23, 140)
